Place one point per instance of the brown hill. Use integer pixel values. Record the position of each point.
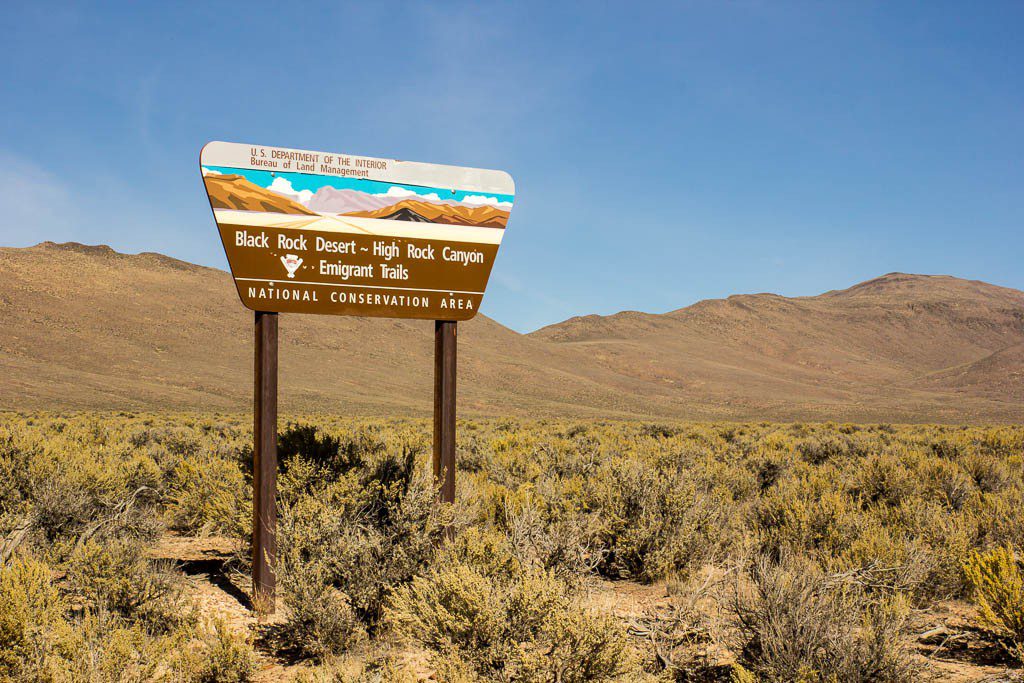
(450, 214)
(86, 327)
(927, 345)
(235, 192)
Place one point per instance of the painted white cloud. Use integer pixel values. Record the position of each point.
(481, 200)
(402, 193)
(398, 192)
(210, 171)
(284, 186)
(472, 200)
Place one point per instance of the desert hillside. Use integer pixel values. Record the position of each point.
(86, 327)
(937, 340)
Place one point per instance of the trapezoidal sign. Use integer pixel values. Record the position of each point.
(317, 232)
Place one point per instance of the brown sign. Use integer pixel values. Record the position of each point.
(312, 232)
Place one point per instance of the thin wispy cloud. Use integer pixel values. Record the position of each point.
(660, 156)
(37, 205)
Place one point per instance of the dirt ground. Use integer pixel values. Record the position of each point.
(944, 637)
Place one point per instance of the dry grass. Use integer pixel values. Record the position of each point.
(766, 552)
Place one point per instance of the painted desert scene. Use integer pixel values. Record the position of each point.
(396, 203)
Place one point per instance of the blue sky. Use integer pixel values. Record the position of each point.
(662, 153)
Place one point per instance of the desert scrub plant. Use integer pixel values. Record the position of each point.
(380, 666)
(998, 585)
(656, 521)
(44, 638)
(345, 545)
(65, 488)
(547, 535)
(990, 473)
(31, 618)
(740, 674)
(208, 494)
(330, 454)
(948, 484)
(321, 621)
(821, 448)
(1000, 522)
(807, 515)
(677, 637)
(798, 623)
(885, 560)
(899, 509)
(106, 649)
(881, 480)
(115, 576)
(478, 609)
(219, 655)
(948, 536)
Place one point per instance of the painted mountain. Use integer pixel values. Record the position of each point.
(449, 214)
(341, 201)
(419, 209)
(235, 192)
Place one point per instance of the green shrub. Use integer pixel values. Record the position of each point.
(998, 585)
(889, 513)
(116, 576)
(881, 480)
(824, 447)
(208, 495)
(739, 674)
(948, 537)
(562, 541)
(507, 623)
(382, 667)
(345, 545)
(656, 521)
(948, 484)
(221, 657)
(807, 515)
(885, 560)
(321, 621)
(1001, 519)
(800, 624)
(989, 473)
(31, 617)
(77, 488)
(329, 454)
(105, 649)
(769, 469)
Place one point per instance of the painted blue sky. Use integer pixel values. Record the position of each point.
(663, 152)
(299, 182)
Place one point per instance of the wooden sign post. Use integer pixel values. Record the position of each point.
(264, 471)
(337, 234)
(445, 356)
